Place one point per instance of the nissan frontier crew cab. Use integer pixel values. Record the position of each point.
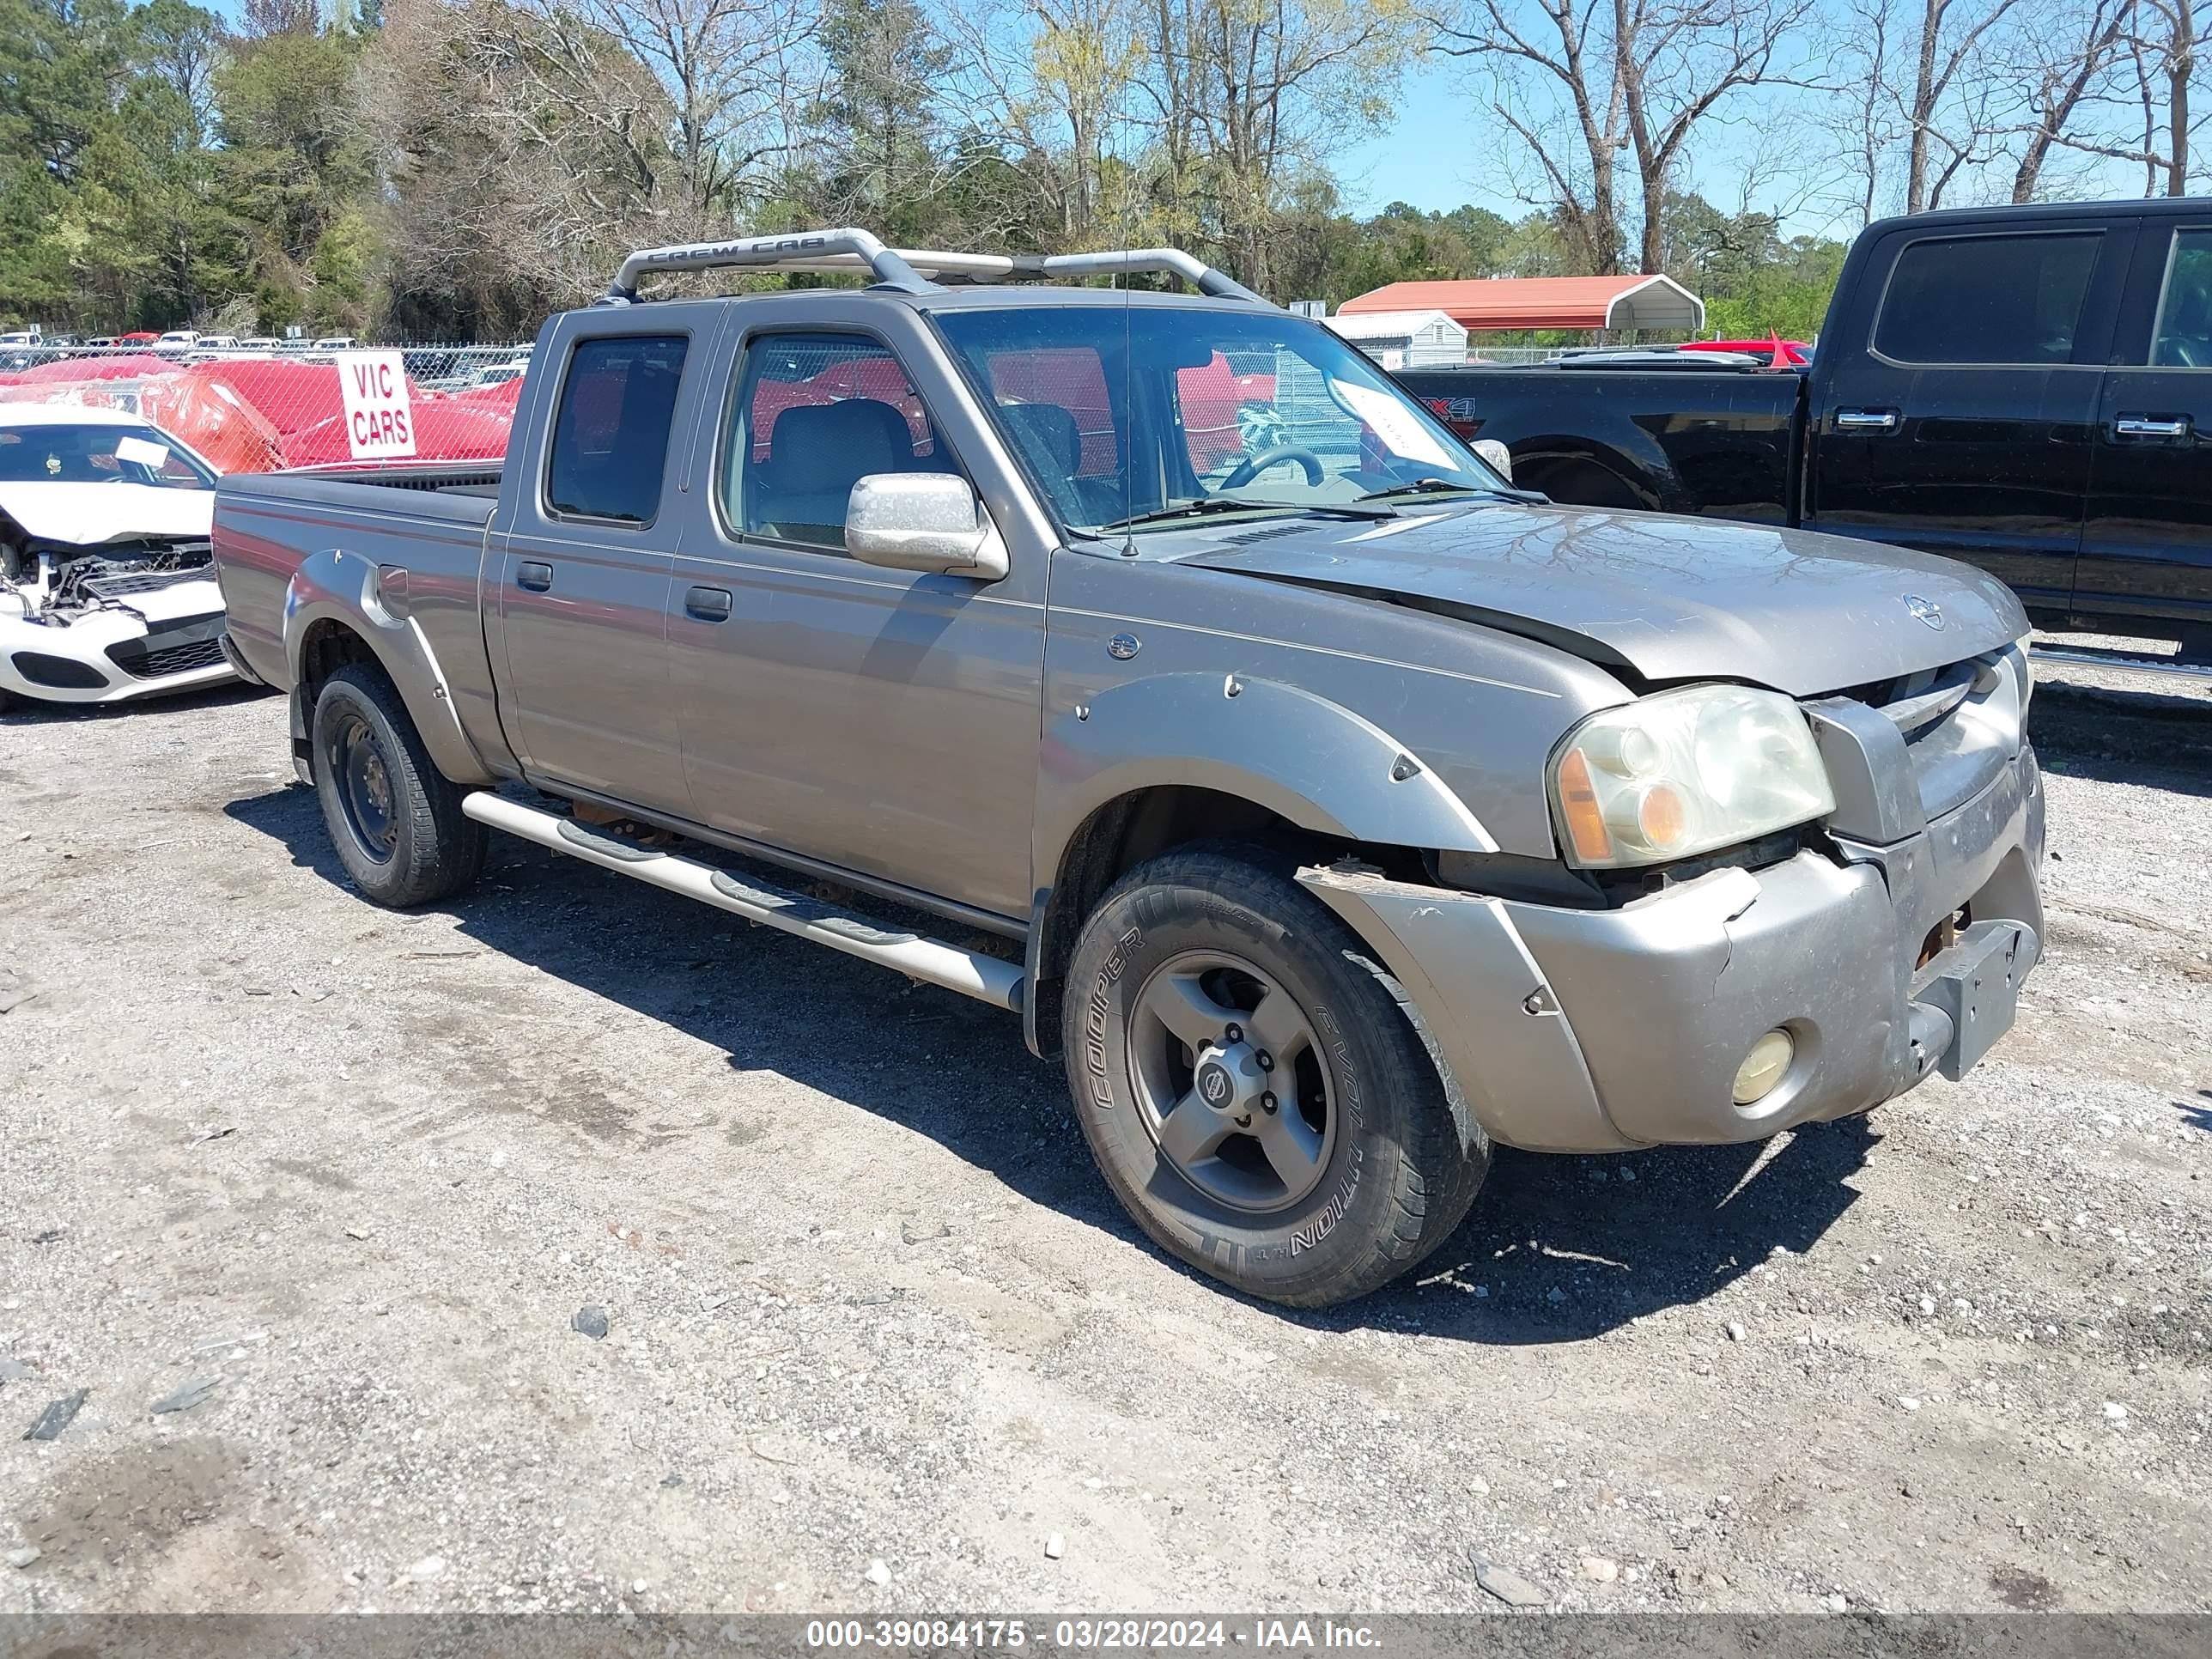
(1337, 810)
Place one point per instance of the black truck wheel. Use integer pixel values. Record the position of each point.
(1255, 1089)
(396, 820)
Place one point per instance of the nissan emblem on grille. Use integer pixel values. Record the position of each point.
(1927, 610)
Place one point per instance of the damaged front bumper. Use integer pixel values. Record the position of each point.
(171, 641)
(1595, 1031)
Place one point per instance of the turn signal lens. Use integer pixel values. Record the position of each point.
(1578, 805)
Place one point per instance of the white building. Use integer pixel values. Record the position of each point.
(1404, 340)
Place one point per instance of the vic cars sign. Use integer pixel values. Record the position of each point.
(380, 417)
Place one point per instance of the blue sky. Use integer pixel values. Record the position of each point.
(1431, 154)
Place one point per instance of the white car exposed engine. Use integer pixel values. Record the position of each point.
(107, 586)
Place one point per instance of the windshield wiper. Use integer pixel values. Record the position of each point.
(1446, 487)
(1208, 504)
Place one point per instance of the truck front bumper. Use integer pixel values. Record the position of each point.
(1595, 1031)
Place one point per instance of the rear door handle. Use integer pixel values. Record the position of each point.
(2146, 426)
(533, 575)
(1867, 420)
(710, 604)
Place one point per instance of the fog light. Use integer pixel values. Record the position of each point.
(1764, 1066)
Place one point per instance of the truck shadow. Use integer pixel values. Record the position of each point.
(2143, 738)
(1556, 1248)
(25, 711)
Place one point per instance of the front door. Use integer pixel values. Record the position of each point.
(1961, 426)
(583, 582)
(2147, 549)
(882, 722)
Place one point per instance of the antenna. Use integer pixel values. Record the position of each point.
(1129, 411)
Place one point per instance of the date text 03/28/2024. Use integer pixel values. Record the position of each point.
(1087, 1635)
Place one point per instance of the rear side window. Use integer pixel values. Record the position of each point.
(2183, 339)
(1987, 300)
(611, 432)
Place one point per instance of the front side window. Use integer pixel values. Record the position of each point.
(611, 432)
(2014, 300)
(814, 415)
(97, 454)
(2183, 338)
(1145, 411)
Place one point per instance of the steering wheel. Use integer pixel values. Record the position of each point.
(1252, 465)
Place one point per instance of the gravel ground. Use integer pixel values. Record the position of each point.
(875, 1337)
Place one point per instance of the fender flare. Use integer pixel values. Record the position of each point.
(1303, 757)
(1312, 763)
(1637, 463)
(336, 585)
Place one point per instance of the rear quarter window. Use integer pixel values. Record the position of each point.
(611, 431)
(2014, 300)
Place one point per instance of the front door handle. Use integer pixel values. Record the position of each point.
(1867, 420)
(534, 576)
(710, 604)
(2146, 426)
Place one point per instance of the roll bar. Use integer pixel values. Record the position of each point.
(831, 253)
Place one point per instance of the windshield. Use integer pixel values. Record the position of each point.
(1123, 413)
(97, 454)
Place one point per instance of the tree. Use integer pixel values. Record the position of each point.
(2064, 67)
(1248, 99)
(1580, 86)
(1950, 39)
(879, 117)
(2158, 62)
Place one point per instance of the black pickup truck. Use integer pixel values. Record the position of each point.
(2025, 388)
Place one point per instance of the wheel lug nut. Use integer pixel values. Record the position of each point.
(1267, 1060)
(1234, 1034)
(1268, 1105)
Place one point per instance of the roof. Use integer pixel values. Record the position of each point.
(1380, 325)
(2027, 214)
(1517, 302)
(66, 415)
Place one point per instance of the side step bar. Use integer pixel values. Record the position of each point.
(2091, 656)
(970, 972)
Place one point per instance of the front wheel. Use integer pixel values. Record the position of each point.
(1256, 1089)
(395, 819)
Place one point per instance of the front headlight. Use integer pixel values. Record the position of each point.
(1684, 772)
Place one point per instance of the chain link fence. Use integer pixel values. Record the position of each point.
(258, 405)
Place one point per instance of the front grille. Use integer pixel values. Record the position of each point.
(142, 582)
(175, 648)
(1960, 723)
(177, 659)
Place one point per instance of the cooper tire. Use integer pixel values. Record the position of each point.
(1397, 1158)
(396, 821)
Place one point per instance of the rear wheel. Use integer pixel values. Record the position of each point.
(396, 821)
(1255, 1090)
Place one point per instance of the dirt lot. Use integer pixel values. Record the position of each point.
(869, 1304)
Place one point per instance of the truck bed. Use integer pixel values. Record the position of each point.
(1718, 441)
(425, 520)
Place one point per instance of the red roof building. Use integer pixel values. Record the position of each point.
(1647, 304)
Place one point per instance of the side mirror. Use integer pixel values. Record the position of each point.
(1493, 450)
(923, 522)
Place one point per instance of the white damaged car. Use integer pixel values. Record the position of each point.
(107, 586)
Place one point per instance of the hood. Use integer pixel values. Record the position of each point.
(90, 513)
(1666, 599)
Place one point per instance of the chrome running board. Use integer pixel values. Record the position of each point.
(972, 973)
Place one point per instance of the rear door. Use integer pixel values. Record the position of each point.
(2147, 549)
(582, 595)
(1958, 419)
